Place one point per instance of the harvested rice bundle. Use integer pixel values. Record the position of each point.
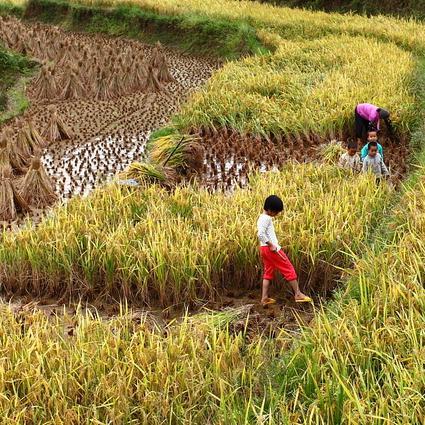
(23, 144)
(150, 173)
(159, 62)
(46, 88)
(184, 153)
(152, 84)
(73, 87)
(10, 156)
(37, 189)
(116, 83)
(11, 202)
(331, 152)
(102, 91)
(5, 165)
(157, 56)
(164, 75)
(36, 141)
(56, 129)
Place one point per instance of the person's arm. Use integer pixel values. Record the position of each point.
(384, 169)
(341, 162)
(363, 152)
(365, 166)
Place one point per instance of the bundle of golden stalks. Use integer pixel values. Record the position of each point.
(56, 129)
(37, 188)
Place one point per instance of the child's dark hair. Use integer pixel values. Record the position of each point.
(371, 145)
(352, 144)
(274, 204)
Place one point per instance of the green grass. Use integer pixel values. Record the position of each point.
(14, 69)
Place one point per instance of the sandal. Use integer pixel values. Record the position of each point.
(268, 301)
(304, 300)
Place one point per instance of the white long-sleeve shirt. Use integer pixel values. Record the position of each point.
(266, 231)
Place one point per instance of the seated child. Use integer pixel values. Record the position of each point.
(350, 160)
(372, 136)
(274, 259)
(374, 162)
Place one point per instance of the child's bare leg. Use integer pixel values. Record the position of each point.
(265, 292)
(296, 287)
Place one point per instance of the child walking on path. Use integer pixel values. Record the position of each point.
(272, 255)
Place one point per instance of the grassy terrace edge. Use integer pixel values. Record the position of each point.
(14, 70)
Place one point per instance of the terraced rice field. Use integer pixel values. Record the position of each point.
(139, 304)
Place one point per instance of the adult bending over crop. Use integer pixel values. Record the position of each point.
(368, 117)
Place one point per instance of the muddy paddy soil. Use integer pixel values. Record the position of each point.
(230, 156)
(249, 315)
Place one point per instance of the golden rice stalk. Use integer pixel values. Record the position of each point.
(37, 188)
(331, 152)
(11, 202)
(56, 128)
(150, 173)
(180, 152)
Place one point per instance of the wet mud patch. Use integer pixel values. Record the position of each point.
(238, 310)
(231, 156)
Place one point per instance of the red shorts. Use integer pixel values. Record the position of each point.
(273, 261)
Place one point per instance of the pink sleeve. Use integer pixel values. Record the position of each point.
(377, 119)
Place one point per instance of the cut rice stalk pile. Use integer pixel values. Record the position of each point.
(11, 202)
(37, 188)
(332, 151)
(182, 152)
(56, 129)
(151, 173)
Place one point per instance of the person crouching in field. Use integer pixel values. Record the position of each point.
(374, 163)
(350, 160)
(367, 117)
(272, 255)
